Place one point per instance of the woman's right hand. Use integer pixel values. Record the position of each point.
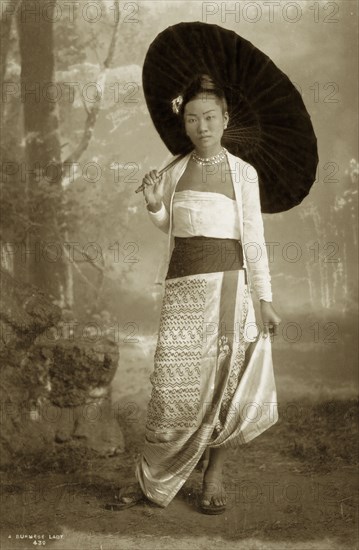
(153, 188)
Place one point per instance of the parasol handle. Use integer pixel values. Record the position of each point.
(163, 170)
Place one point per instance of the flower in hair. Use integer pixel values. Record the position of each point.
(176, 104)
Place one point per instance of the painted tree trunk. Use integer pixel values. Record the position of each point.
(45, 262)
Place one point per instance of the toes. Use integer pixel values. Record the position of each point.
(213, 493)
(129, 493)
(127, 500)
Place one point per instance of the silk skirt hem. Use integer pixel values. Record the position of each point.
(212, 383)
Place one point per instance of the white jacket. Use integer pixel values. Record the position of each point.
(246, 189)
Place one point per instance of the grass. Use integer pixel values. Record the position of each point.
(321, 436)
(324, 436)
(64, 459)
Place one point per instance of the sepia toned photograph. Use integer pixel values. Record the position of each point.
(179, 275)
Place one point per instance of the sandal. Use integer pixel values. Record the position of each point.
(211, 508)
(117, 506)
(131, 495)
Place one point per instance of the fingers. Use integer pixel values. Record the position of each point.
(152, 177)
(148, 181)
(151, 183)
(152, 180)
(271, 329)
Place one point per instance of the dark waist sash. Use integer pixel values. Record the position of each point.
(195, 255)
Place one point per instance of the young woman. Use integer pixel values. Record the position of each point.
(209, 205)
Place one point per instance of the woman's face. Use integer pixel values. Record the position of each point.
(204, 120)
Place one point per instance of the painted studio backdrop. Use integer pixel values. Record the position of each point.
(98, 125)
(76, 141)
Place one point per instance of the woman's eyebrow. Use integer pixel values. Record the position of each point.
(191, 114)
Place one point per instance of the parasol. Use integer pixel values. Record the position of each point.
(269, 126)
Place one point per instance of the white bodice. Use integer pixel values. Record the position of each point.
(204, 213)
(179, 215)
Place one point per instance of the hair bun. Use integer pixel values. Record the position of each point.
(201, 83)
(207, 82)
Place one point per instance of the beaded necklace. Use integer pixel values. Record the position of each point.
(216, 159)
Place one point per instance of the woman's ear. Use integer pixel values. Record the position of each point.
(225, 119)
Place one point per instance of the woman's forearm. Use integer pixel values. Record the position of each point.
(254, 240)
(160, 217)
(154, 207)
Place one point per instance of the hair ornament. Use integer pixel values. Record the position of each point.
(176, 104)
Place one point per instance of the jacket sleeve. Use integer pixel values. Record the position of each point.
(253, 235)
(161, 218)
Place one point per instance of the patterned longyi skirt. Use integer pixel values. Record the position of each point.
(212, 383)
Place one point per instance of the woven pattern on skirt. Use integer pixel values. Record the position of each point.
(197, 398)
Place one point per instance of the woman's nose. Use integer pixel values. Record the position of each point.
(202, 126)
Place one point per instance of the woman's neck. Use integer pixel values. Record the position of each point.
(207, 152)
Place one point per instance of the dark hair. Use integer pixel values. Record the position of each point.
(202, 84)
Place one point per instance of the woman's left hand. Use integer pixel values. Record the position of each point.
(270, 318)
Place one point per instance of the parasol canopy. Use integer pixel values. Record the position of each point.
(269, 126)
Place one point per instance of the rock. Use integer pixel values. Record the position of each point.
(78, 371)
(51, 387)
(25, 312)
(98, 425)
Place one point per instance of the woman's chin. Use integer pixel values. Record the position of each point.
(207, 142)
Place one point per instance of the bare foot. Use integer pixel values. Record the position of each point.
(128, 496)
(213, 492)
(131, 492)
